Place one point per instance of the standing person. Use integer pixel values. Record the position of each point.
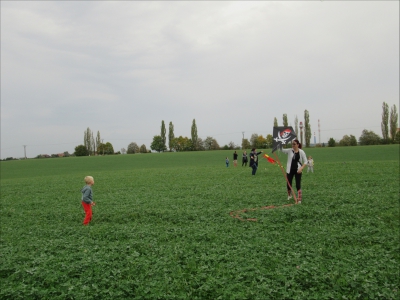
(227, 162)
(294, 167)
(235, 156)
(87, 199)
(244, 159)
(310, 164)
(254, 160)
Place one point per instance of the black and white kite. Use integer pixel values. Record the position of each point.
(282, 136)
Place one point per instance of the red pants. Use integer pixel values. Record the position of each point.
(88, 211)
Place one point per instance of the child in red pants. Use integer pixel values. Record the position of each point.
(87, 199)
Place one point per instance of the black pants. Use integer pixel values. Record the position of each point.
(254, 169)
(290, 179)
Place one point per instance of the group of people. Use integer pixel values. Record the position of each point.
(253, 160)
(296, 162)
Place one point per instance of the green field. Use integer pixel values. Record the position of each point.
(162, 228)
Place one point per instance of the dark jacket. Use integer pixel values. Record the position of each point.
(253, 158)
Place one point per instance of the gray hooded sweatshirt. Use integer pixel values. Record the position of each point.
(87, 194)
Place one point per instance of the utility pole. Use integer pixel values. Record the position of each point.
(25, 151)
(242, 139)
(102, 144)
(319, 132)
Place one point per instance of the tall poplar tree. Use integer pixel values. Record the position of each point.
(171, 136)
(93, 145)
(296, 125)
(275, 122)
(163, 136)
(87, 140)
(285, 122)
(394, 118)
(385, 121)
(307, 128)
(194, 134)
(98, 141)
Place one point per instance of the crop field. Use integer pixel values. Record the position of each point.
(163, 229)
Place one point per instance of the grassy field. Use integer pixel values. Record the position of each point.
(162, 228)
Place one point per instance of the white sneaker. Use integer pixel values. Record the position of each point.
(289, 197)
(298, 202)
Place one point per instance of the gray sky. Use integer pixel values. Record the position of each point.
(122, 67)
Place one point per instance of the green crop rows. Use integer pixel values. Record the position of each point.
(161, 228)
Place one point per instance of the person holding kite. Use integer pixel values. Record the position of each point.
(254, 160)
(296, 162)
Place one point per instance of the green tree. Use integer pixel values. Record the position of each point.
(232, 146)
(98, 140)
(100, 148)
(394, 117)
(200, 145)
(88, 141)
(186, 144)
(194, 135)
(301, 132)
(177, 144)
(260, 143)
(211, 144)
(208, 143)
(246, 144)
(174, 145)
(163, 136)
(253, 140)
(275, 122)
(269, 140)
(157, 144)
(345, 141)
(369, 138)
(285, 121)
(296, 125)
(81, 150)
(384, 123)
(183, 144)
(215, 145)
(397, 138)
(171, 136)
(106, 148)
(353, 140)
(133, 148)
(331, 142)
(307, 128)
(143, 149)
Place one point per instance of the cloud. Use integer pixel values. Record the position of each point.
(123, 67)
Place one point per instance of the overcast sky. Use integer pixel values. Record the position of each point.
(120, 68)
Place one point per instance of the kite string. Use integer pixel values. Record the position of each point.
(284, 175)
